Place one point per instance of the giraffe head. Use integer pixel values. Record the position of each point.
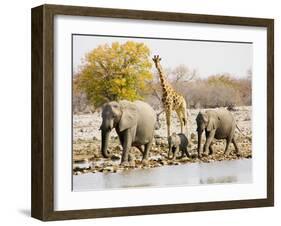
(156, 59)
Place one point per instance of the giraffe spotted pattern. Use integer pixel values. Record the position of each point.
(172, 101)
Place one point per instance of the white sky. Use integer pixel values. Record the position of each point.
(208, 58)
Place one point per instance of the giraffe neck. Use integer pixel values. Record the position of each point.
(164, 82)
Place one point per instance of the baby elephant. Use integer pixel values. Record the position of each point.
(177, 142)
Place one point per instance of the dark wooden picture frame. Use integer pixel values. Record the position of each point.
(42, 203)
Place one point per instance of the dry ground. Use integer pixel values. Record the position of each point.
(86, 144)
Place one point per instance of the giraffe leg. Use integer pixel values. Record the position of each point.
(168, 121)
(181, 120)
(184, 116)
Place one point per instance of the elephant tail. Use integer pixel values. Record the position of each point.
(240, 130)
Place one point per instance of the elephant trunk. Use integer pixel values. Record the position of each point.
(104, 143)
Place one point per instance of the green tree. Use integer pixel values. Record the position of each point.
(114, 72)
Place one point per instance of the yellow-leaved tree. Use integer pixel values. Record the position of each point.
(113, 72)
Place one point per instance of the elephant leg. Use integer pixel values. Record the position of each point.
(182, 153)
(211, 149)
(199, 149)
(121, 139)
(170, 153)
(127, 143)
(236, 147)
(140, 148)
(209, 139)
(185, 152)
(146, 150)
(227, 151)
(176, 152)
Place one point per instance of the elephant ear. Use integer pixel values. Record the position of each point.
(211, 124)
(129, 115)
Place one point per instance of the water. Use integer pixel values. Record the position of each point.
(236, 171)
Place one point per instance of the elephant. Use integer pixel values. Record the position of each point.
(134, 123)
(218, 124)
(177, 142)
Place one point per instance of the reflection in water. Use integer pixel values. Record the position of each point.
(219, 180)
(236, 171)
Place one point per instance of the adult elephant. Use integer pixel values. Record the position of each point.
(219, 124)
(134, 123)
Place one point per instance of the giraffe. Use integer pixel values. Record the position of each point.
(172, 101)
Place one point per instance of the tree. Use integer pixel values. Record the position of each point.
(182, 73)
(114, 72)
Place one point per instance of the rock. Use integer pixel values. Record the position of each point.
(155, 149)
(249, 156)
(118, 148)
(170, 163)
(115, 158)
(158, 142)
(194, 155)
(77, 169)
(193, 136)
(145, 162)
(108, 169)
(157, 165)
(80, 161)
(132, 164)
(125, 164)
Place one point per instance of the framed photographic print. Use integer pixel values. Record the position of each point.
(141, 112)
